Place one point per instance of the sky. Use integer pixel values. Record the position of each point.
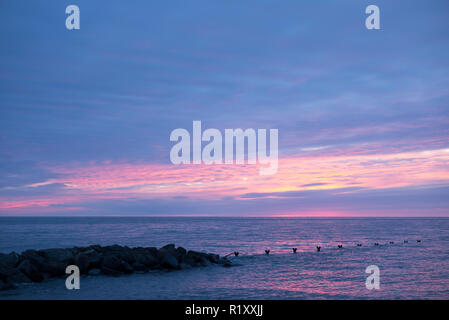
(362, 115)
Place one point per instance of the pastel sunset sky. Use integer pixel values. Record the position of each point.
(86, 115)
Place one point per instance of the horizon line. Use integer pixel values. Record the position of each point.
(211, 216)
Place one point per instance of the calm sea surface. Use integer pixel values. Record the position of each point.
(407, 270)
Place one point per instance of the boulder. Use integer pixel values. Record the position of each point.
(82, 261)
(58, 255)
(111, 262)
(34, 257)
(139, 267)
(54, 268)
(124, 253)
(169, 247)
(8, 262)
(146, 257)
(30, 271)
(181, 251)
(36, 266)
(95, 259)
(89, 251)
(205, 262)
(16, 276)
(188, 260)
(197, 257)
(11, 259)
(96, 247)
(213, 257)
(152, 250)
(125, 267)
(167, 260)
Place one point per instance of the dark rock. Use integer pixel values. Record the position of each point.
(124, 253)
(152, 250)
(146, 256)
(180, 254)
(195, 258)
(82, 261)
(148, 260)
(34, 257)
(115, 260)
(96, 247)
(16, 276)
(167, 260)
(75, 250)
(128, 257)
(195, 255)
(169, 247)
(95, 258)
(125, 267)
(181, 250)
(89, 251)
(111, 262)
(139, 267)
(58, 255)
(9, 260)
(30, 271)
(54, 268)
(189, 260)
(213, 257)
(205, 262)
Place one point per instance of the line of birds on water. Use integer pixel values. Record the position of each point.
(318, 248)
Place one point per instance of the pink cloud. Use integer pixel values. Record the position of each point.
(109, 180)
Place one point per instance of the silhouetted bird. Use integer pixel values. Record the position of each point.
(418, 240)
(294, 250)
(318, 248)
(359, 244)
(391, 242)
(376, 243)
(340, 246)
(405, 241)
(267, 251)
(236, 253)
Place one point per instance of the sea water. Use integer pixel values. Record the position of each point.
(413, 270)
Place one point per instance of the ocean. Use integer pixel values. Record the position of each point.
(413, 270)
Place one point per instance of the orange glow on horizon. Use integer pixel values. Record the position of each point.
(152, 181)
